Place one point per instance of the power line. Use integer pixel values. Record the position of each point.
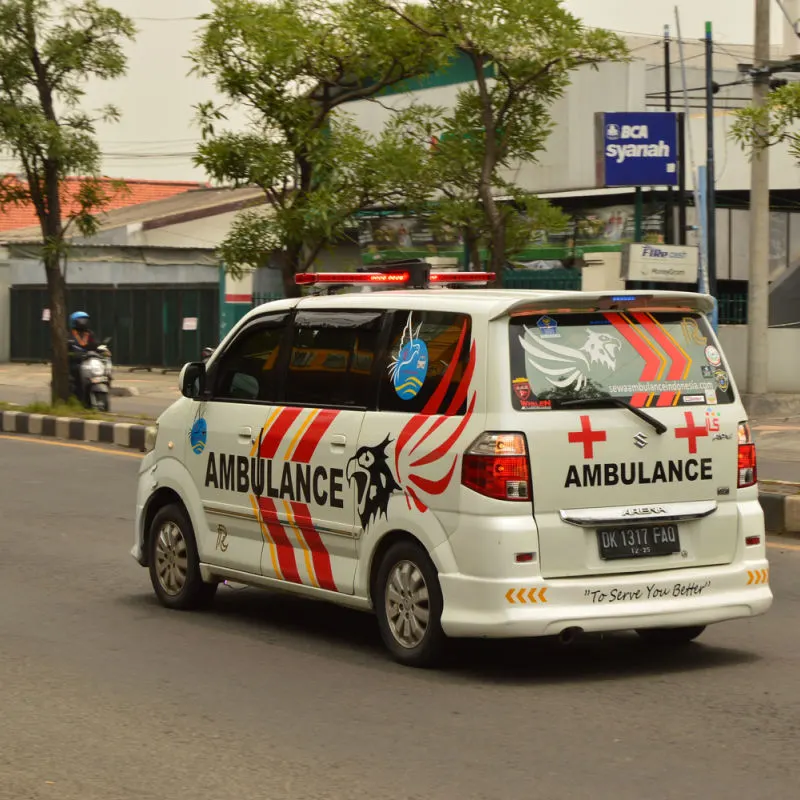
(676, 61)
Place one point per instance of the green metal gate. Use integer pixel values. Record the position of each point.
(562, 279)
(149, 326)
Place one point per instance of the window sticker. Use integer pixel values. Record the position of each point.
(409, 367)
(548, 327)
(692, 333)
(522, 389)
(572, 366)
(712, 356)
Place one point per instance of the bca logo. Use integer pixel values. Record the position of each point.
(612, 131)
(634, 132)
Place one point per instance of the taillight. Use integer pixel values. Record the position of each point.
(496, 465)
(748, 473)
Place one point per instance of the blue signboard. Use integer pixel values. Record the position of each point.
(636, 148)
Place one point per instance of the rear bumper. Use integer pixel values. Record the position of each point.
(512, 608)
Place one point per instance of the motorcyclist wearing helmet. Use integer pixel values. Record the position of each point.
(81, 341)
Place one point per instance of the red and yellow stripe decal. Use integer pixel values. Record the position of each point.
(657, 347)
(652, 359)
(309, 425)
(681, 362)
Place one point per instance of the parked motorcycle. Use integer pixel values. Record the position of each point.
(95, 378)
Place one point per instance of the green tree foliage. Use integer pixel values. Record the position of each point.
(48, 50)
(776, 122)
(522, 54)
(293, 65)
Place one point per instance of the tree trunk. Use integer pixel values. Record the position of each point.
(497, 228)
(57, 298)
(472, 243)
(290, 268)
(497, 234)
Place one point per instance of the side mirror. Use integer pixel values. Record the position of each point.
(192, 380)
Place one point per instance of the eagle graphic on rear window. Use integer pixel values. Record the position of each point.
(564, 366)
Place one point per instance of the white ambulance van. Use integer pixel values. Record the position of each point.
(464, 462)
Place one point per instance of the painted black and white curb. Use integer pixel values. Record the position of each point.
(122, 434)
(781, 505)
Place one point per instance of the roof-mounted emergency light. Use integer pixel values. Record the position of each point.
(417, 276)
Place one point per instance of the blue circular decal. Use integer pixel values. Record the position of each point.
(411, 369)
(198, 436)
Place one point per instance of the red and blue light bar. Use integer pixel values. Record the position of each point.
(399, 278)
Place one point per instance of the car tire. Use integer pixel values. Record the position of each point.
(408, 601)
(174, 563)
(670, 636)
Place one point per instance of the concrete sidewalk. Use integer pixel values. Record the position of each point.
(133, 393)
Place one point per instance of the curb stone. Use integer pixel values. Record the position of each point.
(122, 434)
(781, 512)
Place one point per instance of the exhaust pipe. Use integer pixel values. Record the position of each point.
(569, 635)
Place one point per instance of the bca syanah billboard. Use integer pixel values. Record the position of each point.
(637, 148)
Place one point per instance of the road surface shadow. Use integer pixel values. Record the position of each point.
(351, 636)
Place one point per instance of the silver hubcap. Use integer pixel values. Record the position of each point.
(407, 604)
(172, 561)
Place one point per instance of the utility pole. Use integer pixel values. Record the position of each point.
(711, 200)
(758, 288)
(669, 221)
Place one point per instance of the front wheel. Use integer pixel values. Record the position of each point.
(174, 562)
(670, 636)
(408, 602)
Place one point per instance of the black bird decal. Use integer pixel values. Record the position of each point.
(369, 470)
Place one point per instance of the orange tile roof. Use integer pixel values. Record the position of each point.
(138, 191)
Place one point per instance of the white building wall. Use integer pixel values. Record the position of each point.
(784, 357)
(568, 163)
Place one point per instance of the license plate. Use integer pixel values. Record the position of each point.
(638, 541)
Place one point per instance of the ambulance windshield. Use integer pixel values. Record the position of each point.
(649, 359)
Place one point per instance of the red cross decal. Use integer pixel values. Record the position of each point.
(587, 437)
(691, 432)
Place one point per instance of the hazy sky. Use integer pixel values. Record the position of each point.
(732, 19)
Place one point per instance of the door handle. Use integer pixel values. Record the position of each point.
(338, 440)
(246, 434)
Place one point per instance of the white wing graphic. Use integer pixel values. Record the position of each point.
(409, 335)
(565, 363)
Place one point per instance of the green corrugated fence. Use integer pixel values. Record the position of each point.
(149, 326)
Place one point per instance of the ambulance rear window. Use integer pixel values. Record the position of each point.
(653, 359)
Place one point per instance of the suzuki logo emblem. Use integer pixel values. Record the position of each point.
(640, 440)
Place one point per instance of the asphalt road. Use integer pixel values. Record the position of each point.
(105, 695)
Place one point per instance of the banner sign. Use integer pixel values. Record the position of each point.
(660, 263)
(636, 149)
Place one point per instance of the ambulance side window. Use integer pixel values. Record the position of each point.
(332, 360)
(426, 349)
(250, 369)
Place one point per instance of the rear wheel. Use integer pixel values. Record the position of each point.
(100, 401)
(408, 602)
(671, 636)
(174, 563)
